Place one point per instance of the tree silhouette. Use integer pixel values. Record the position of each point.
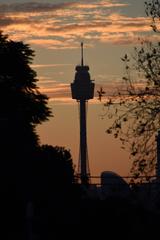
(53, 190)
(41, 176)
(136, 108)
(22, 107)
(54, 167)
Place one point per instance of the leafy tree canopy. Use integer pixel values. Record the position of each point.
(22, 106)
(53, 169)
(19, 95)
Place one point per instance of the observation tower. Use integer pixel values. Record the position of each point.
(83, 90)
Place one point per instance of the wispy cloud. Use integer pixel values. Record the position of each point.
(50, 65)
(56, 90)
(61, 25)
(99, 4)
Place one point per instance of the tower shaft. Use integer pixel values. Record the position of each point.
(83, 161)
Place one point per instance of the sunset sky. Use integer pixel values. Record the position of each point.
(54, 29)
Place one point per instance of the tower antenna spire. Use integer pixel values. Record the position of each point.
(82, 54)
(83, 90)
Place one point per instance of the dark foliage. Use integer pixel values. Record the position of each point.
(53, 169)
(153, 11)
(22, 105)
(29, 173)
(135, 109)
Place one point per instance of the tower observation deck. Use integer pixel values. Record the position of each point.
(82, 90)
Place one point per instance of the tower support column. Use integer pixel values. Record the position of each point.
(83, 143)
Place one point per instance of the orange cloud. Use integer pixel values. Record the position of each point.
(56, 89)
(52, 44)
(61, 25)
(103, 4)
(69, 101)
(49, 65)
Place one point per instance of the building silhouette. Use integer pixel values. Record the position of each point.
(82, 90)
